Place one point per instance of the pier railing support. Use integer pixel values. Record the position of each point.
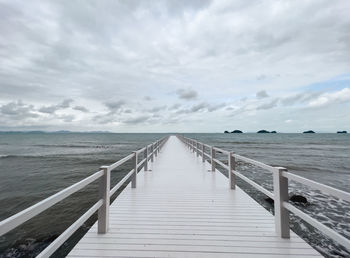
(280, 189)
(197, 148)
(232, 168)
(212, 157)
(104, 194)
(152, 152)
(134, 164)
(203, 157)
(146, 157)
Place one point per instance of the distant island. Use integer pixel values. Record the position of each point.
(265, 131)
(342, 132)
(234, 131)
(310, 131)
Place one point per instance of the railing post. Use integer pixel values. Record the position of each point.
(197, 148)
(280, 189)
(212, 157)
(231, 168)
(134, 164)
(104, 194)
(146, 156)
(152, 152)
(203, 157)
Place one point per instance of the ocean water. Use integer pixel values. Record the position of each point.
(34, 166)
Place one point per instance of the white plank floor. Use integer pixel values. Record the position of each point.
(180, 209)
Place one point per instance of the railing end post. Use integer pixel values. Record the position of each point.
(104, 194)
(231, 169)
(134, 164)
(212, 157)
(281, 195)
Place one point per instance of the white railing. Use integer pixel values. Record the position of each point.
(101, 206)
(280, 193)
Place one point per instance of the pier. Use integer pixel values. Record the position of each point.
(178, 204)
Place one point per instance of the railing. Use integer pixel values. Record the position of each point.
(280, 193)
(101, 206)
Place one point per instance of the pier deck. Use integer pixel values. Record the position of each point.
(181, 209)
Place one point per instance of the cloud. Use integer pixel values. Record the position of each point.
(157, 109)
(148, 98)
(268, 105)
(53, 108)
(261, 94)
(115, 106)
(136, 120)
(326, 99)
(261, 77)
(18, 110)
(201, 52)
(200, 107)
(81, 108)
(175, 106)
(187, 94)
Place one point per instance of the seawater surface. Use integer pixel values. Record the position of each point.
(34, 166)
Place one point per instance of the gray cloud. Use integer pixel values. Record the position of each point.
(53, 108)
(18, 110)
(187, 94)
(81, 108)
(268, 105)
(115, 106)
(136, 120)
(157, 109)
(261, 94)
(148, 98)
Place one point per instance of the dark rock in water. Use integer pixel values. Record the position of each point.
(237, 131)
(269, 200)
(298, 198)
(294, 198)
(310, 131)
(226, 132)
(263, 131)
(273, 132)
(342, 132)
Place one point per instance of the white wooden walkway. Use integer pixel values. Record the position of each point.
(179, 209)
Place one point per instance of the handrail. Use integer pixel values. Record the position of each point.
(102, 206)
(321, 187)
(280, 194)
(21, 217)
(49, 250)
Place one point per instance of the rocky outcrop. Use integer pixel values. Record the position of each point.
(342, 132)
(263, 131)
(237, 131)
(226, 132)
(296, 198)
(310, 131)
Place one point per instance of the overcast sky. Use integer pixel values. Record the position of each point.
(185, 66)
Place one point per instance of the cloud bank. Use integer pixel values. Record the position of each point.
(199, 66)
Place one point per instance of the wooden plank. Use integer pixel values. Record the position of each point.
(179, 209)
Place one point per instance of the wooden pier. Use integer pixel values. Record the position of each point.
(180, 208)
(178, 204)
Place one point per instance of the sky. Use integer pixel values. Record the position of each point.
(175, 66)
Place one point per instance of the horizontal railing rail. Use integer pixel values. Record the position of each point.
(101, 206)
(280, 193)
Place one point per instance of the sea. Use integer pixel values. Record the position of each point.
(35, 165)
